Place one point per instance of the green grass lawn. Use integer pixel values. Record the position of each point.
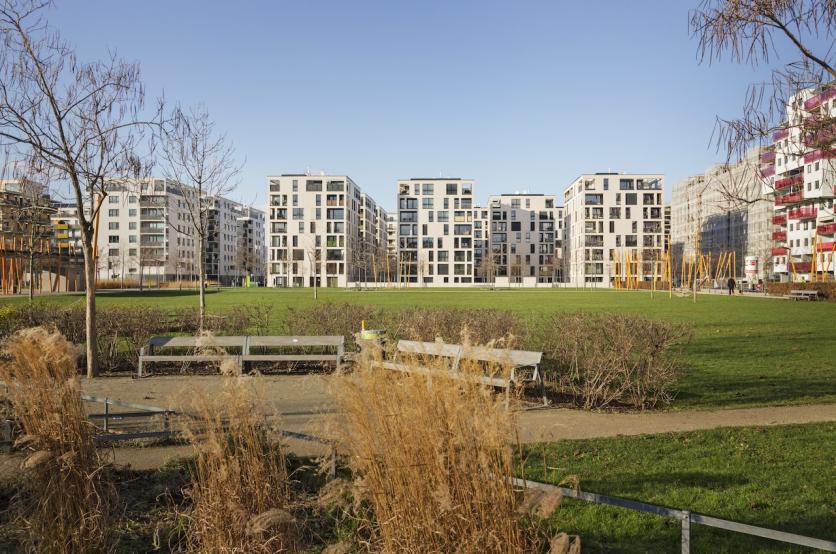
(745, 351)
(776, 477)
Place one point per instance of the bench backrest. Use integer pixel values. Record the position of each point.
(288, 341)
(513, 358)
(429, 349)
(193, 342)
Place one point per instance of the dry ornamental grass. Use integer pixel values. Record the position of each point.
(65, 501)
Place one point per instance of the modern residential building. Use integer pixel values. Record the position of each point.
(251, 256)
(724, 210)
(610, 217)
(524, 239)
(145, 235)
(484, 268)
(800, 169)
(323, 231)
(435, 231)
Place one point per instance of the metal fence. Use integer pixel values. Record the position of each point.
(685, 517)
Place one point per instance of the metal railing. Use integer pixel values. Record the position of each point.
(685, 517)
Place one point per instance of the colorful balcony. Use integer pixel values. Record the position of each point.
(789, 181)
(789, 199)
(779, 235)
(826, 229)
(780, 135)
(779, 219)
(815, 101)
(826, 247)
(779, 251)
(801, 267)
(819, 155)
(803, 213)
(768, 156)
(768, 171)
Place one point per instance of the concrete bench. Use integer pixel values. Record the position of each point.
(803, 295)
(523, 365)
(240, 350)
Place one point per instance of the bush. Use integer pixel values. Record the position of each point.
(614, 359)
(334, 319)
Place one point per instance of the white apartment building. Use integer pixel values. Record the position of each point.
(608, 216)
(323, 231)
(525, 239)
(252, 247)
(435, 232)
(800, 169)
(726, 209)
(145, 234)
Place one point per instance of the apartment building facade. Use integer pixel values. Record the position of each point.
(608, 217)
(145, 234)
(800, 170)
(324, 231)
(726, 209)
(524, 239)
(435, 232)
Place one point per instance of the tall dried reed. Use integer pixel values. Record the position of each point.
(432, 459)
(240, 497)
(65, 500)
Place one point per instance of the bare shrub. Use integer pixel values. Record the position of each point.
(432, 462)
(457, 325)
(615, 359)
(239, 490)
(64, 504)
(334, 319)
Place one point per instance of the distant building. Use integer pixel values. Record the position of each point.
(608, 217)
(324, 231)
(724, 210)
(435, 231)
(524, 231)
(800, 169)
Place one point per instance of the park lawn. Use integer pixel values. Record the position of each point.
(744, 352)
(777, 477)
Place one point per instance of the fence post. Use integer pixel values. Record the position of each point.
(106, 413)
(686, 532)
(166, 427)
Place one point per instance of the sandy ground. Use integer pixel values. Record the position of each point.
(303, 404)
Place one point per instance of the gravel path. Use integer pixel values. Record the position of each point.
(304, 404)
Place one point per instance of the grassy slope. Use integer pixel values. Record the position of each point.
(746, 351)
(777, 477)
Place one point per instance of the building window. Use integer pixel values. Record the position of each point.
(113, 239)
(113, 213)
(452, 188)
(113, 199)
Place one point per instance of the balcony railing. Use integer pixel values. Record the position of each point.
(789, 199)
(801, 267)
(768, 156)
(780, 135)
(768, 171)
(788, 181)
(779, 251)
(826, 247)
(803, 213)
(779, 219)
(779, 235)
(827, 229)
(817, 155)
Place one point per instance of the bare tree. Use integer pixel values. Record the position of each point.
(202, 164)
(80, 119)
(750, 31)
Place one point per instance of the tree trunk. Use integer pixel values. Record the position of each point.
(90, 308)
(201, 285)
(31, 274)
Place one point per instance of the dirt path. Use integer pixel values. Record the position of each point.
(305, 406)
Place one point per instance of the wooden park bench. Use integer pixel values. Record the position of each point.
(803, 295)
(524, 365)
(242, 350)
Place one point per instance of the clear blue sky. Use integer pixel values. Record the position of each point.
(519, 95)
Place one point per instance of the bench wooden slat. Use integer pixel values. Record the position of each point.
(193, 342)
(287, 341)
(289, 357)
(486, 380)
